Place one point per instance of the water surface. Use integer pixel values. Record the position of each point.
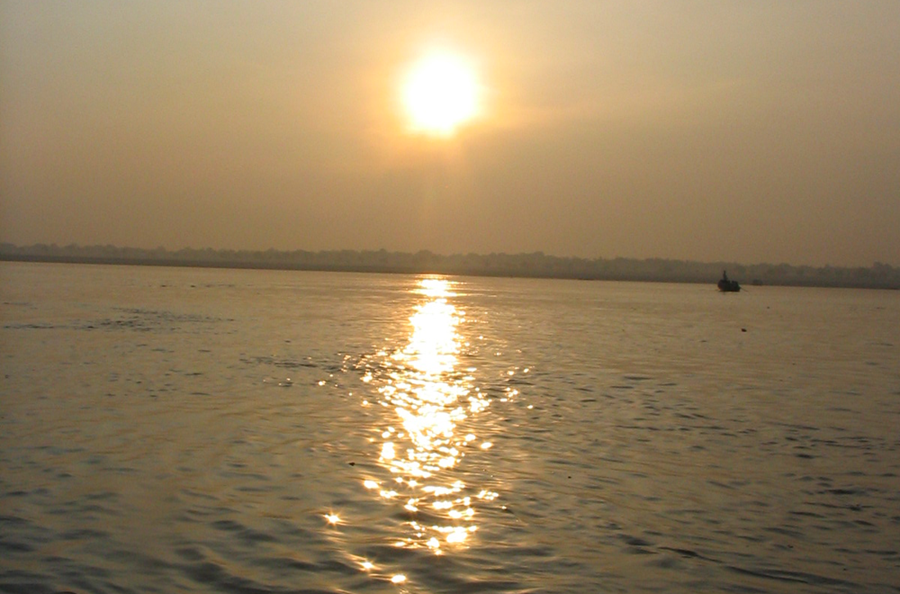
(191, 430)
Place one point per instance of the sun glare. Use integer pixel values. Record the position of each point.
(440, 93)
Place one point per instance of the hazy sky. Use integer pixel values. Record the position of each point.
(764, 131)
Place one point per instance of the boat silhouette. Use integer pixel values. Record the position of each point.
(726, 285)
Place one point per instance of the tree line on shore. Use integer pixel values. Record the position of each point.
(536, 264)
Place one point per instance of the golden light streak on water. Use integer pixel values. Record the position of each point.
(422, 444)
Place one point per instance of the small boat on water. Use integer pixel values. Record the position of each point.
(726, 285)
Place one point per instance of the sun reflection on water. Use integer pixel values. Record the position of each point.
(431, 397)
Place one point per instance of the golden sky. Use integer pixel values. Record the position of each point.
(750, 131)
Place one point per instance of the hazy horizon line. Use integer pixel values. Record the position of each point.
(4, 245)
(523, 265)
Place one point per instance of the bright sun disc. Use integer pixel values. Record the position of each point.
(439, 94)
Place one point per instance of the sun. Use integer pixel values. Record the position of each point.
(440, 93)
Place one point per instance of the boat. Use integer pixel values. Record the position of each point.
(726, 285)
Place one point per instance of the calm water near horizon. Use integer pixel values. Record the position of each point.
(200, 430)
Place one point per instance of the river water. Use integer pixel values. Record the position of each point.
(194, 430)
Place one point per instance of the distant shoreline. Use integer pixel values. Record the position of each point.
(534, 265)
(174, 263)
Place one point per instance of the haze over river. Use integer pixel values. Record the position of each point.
(200, 430)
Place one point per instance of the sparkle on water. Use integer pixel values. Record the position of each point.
(332, 518)
(430, 397)
(427, 397)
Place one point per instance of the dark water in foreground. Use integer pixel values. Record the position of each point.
(184, 430)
